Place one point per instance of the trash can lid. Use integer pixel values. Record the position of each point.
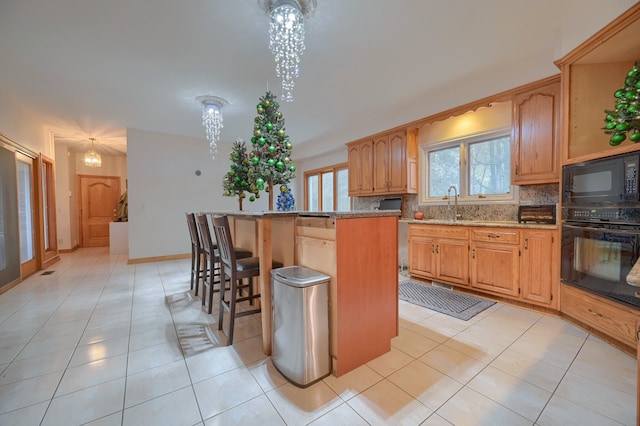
(299, 275)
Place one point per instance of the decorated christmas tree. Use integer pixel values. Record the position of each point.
(625, 117)
(270, 158)
(237, 180)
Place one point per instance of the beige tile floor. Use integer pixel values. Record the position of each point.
(101, 342)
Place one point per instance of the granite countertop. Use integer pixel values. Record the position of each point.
(332, 214)
(498, 224)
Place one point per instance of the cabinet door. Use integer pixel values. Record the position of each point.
(397, 174)
(536, 136)
(360, 168)
(354, 169)
(381, 164)
(422, 256)
(366, 168)
(495, 268)
(453, 260)
(538, 279)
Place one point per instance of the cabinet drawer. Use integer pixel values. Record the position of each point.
(615, 320)
(505, 236)
(454, 232)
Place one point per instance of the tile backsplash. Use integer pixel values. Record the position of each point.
(532, 195)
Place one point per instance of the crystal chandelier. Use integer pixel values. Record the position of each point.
(91, 157)
(286, 37)
(212, 119)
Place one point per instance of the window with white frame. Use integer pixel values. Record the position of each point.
(479, 166)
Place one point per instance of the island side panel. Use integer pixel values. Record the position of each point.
(367, 290)
(316, 249)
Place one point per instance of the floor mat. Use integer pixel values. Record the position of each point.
(458, 305)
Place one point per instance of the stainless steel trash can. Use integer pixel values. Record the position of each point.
(300, 324)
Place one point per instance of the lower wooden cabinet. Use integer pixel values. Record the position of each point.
(515, 263)
(495, 260)
(613, 319)
(439, 253)
(539, 270)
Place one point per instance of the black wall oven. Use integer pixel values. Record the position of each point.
(599, 258)
(601, 228)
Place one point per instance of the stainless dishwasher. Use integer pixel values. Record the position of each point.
(300, 324)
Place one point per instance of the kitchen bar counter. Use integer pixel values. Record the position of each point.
(496, 224)
(353, 249)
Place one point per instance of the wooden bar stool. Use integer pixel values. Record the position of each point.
(235, 271)
(212, 261)
(197, 253)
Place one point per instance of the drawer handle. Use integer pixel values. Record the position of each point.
(494, 236)
(592, 312)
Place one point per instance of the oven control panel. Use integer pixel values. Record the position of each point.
(603, 214)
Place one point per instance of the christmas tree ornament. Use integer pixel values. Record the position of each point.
(267, 103)
(272, 149)
(281, 133)
(262, 141)
(260, 110)
(271, 162)
(269, 126)
(280, 165)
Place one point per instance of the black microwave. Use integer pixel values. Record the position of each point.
(611, 181)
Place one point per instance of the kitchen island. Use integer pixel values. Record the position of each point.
(357, 249)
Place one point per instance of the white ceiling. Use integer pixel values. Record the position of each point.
(93, 68)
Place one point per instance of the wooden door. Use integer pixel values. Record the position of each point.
(495, 268)
(422, 256)
(538, 270)
(398, 163)
(381, 164)
(536, 136)
(98, 202)
(453, 261)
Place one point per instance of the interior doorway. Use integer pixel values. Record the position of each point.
(97, 206)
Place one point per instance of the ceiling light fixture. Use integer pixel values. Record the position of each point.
(212, 119)
(286, 37)
(91, 157)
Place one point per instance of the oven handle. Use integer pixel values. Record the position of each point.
(591, 228)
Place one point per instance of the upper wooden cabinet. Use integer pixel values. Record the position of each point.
(386, 164)
(360, 167)
(591, 74)
(536, 134)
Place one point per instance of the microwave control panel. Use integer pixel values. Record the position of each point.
(630, 177)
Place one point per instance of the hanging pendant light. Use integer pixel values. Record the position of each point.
(212, 119)
(91, 157)
(286, 37)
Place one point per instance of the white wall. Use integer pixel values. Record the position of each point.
(19, 125)
(166, 187)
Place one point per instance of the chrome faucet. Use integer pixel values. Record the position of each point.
(455, 201)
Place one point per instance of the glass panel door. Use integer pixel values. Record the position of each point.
(26, 212)
(9, 228)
